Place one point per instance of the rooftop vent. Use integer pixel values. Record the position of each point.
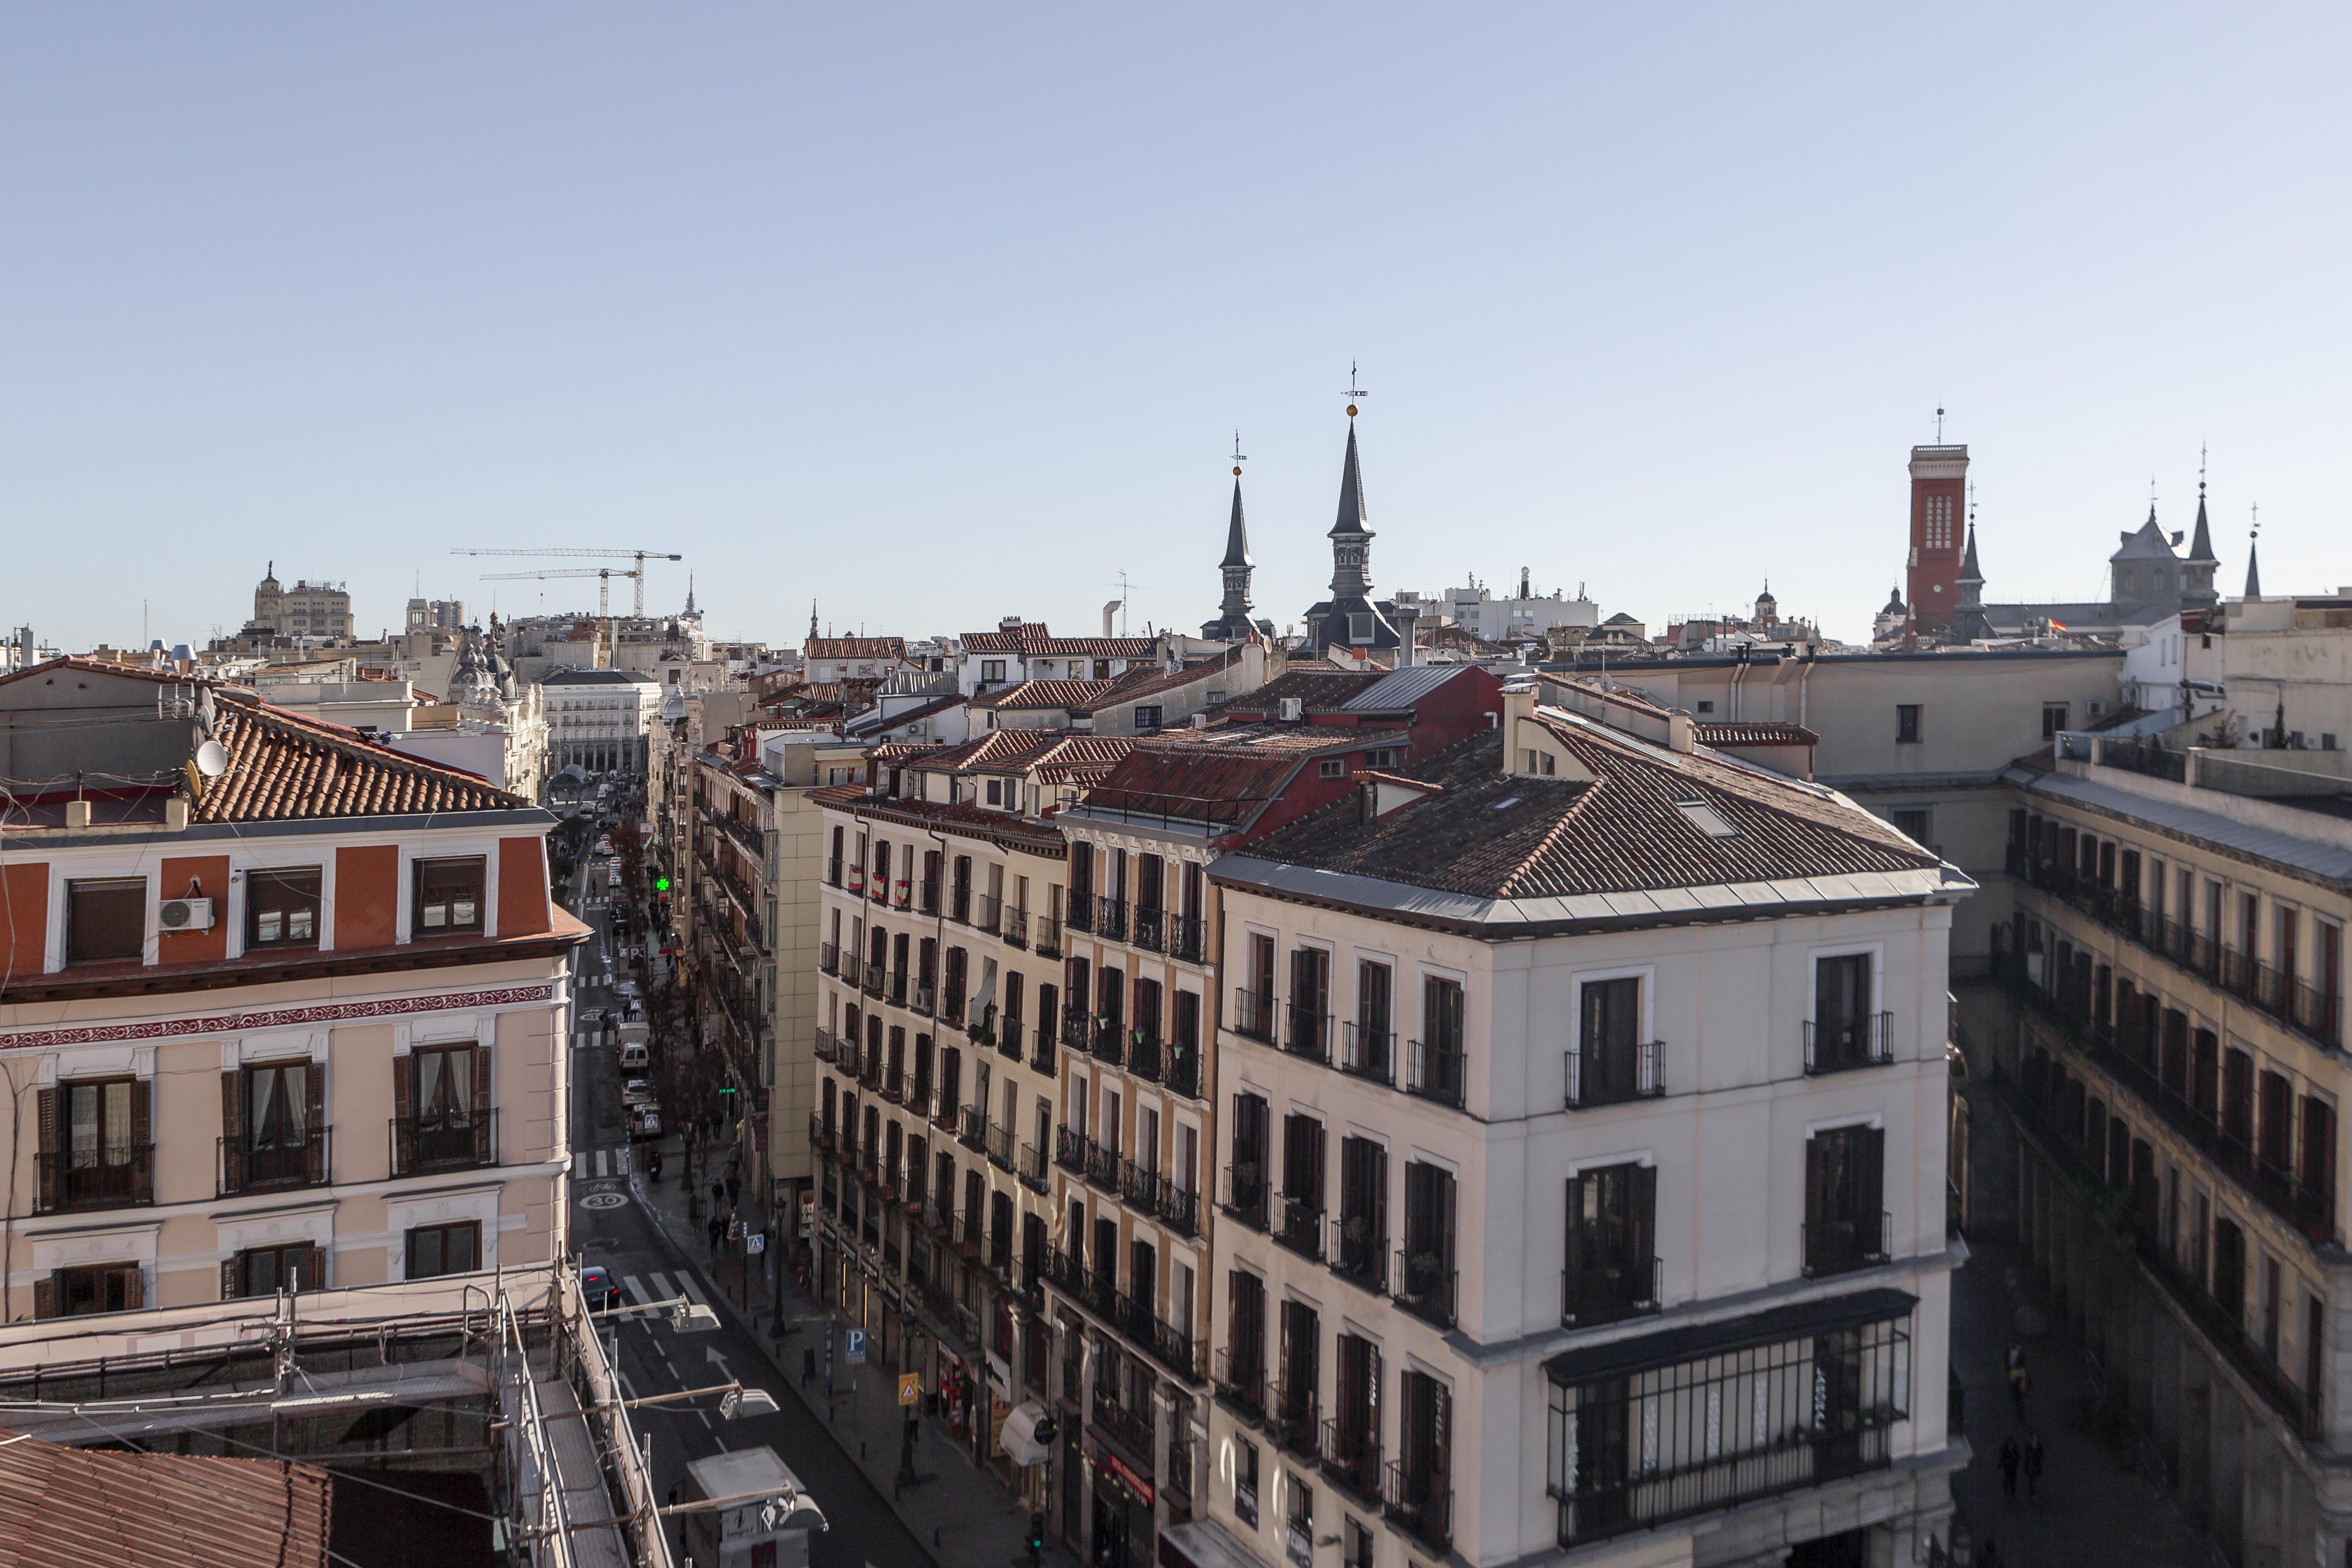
(1703, 817)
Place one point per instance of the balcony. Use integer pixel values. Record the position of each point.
(1046, 934)
(1171, 1347)
(1292, 1422)
(1076, 1030)
(1844, 1045)
(1102, 1167)
(1081, 915)
(112, 1176)
(992, 911)
(1032, 1169)
(1435, 1071)
(1184, 1073)
(1131, 1430)
(1309, 1034)
(1110, 919)
(820, 1135)
(1351, 1458)
(855, 880)
(1246, 1196)
(1359, 1254)
(255, 1165)
(950, 1011)
(1419, 1507)
(926, 999)
(1589, 1296)
(1839, 1245)
(1016, 928)
(1070, 1151)
(1187, 939)
(1139, 1187)
(2314, 1012)
(971, 1233)
(447, 1147)
(1301, 1227)
(1008, 1032)
(1425, 1286)
(828, 957)
(879, 885)
(902, 895)
(1369, 1054)
(960, 904)
(1000, 1147)
(1254, 1015)
(833, 871)
(1041, 1047)
(1615, 1072)
(873, 986)
(1143, 1056)
(1109, 1041)
(1149, 928)
(1180, 1209)
(897, 994)
(1241, 1382)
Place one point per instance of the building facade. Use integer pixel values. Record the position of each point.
(599, 720)
(308, 608)
(292, 1015)
(1580, 1184)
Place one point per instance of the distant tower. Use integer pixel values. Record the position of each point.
(1939, 477)
(1349, 618)
(1968, 619)
(1232, 621)
(2253, 560)
(811, 618)
(2197, 566)
(1767, 609)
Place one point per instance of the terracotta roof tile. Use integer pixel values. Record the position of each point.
(1078, 697)
(1746, 734)
(284, 767)
(853, 648)
(86, 1507)
(1032, 639)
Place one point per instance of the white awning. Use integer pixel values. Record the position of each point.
(1020, 1434)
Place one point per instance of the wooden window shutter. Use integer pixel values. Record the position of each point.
(1642, 1223)
(485, 1147)
(1872, 1195)
(232, 1133)
(47, 1199)
(1577, 1237)
(143, 1139)
(229, 1279)
(309, 1268)
(45, 1290)
(316, 1077)
(401, 1112)
(1813, 1182)
(134, 1288)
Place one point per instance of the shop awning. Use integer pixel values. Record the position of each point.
(1204, 1544)
(1020, 1434)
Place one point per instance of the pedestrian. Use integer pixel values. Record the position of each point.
(2034, 1467)
(717, 1230)
(734, 1189)
(2017, 1380)
(718, 1192)
(2008, 1468)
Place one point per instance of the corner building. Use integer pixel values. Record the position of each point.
(1581, 1103)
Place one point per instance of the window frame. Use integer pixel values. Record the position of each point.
(471, 1228)
(1909, 723)
(423, 868)
(256, 907)
(95, 887)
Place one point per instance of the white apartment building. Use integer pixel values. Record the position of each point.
(1582, 1109)
(599, 719)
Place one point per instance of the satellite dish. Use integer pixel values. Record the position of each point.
(211, 759)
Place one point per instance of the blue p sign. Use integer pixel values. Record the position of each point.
(856, 1338)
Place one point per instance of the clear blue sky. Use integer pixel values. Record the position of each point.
(939, 316)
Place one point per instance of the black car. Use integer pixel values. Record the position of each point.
(596, 1284)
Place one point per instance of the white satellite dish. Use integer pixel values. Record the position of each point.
(211, 759)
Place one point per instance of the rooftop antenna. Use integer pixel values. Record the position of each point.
(1939, 425)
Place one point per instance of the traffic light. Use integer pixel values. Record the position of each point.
(1036, 1534)
(661, 884)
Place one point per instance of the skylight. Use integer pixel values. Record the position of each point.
(1703, 817)
(1505, 802)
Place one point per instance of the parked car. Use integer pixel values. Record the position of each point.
(596, 1283)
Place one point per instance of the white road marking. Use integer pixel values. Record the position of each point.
(693, 1292)
(662, 1287)
(580, 1162)
(637, 1291)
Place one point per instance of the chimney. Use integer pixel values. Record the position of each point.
(1679, 731)
(1109, 611)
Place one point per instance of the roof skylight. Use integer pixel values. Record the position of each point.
(1706, 818)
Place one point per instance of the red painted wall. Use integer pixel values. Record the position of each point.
(367, 895)
(210, 875)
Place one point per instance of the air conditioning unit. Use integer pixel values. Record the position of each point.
(186, 914)
(1293, 709)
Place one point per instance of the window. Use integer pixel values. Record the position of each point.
(449, 897)
(1332, 768)
(1435, 1065)
(1147, 716)
(2053, 719)
(72, 1292)
(1609, 1064)
(1845, 1224)
(1906, 724)
(279, 1116)
(1914, 822)
(1705, 706)
(1539, 761)
(451, 1098)
(997, 791)
(105, 920)
(95, 1145)
(1360, 627)
(1380, 757)
(992, 670)
(1611, 1270)
(1844, 1031)
(1246, 1481)
(281, 908)
(444, 1249)
(265, 1270)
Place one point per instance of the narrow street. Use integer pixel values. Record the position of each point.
(610, 1226)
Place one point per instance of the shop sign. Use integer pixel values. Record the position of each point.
(1127, 1478)
(1299, 1548)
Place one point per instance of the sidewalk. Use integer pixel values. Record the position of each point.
(2093, 1509)
(964, 1515)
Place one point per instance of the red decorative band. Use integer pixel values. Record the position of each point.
(277, 1017)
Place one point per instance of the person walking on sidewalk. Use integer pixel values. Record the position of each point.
(715, 1229)
(2017, 1379)
(2009, 1469)
(734, 1189)
(2034, 1467)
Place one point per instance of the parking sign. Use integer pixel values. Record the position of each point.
(857, 1353)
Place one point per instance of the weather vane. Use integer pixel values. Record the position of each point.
(1238, 458)
(1355, 393)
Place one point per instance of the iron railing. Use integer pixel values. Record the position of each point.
(1841, 1044)
(1425, 1286)
(450, 1146)
(1184, 1073)
(1150, 927)
(1435, 1071)
(1292, 1422)
(1000, 1147)
(1187, 939)
(1360, 1253)
(972, 1127)
(295, 1159)
(1612, 1072)
(1841, 1244)
(1367, 1053)
(1032, 1170)
(1309, 1034)
(1419, 1505)
(1606, 1293)
(1246, 1196)
(1047, 933)
(1110, 919)
(110, 1175)
(1240, 1378)
(1254, 1014)
(1070, 1151)
(1301, 1228)
(1351, 1458)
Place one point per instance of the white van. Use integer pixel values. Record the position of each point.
(634, 1058)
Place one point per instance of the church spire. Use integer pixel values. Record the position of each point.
(1236, 531)
(1232, 621)
(2253, 572)
(811, 617)
(689, 593)
(1351, 534)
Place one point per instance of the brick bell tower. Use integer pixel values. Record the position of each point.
(1940, 480)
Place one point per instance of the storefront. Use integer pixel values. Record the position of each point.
(1122, 1513)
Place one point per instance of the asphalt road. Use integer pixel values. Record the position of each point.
(654, 1359)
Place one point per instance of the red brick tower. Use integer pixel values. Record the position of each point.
(1939, 480)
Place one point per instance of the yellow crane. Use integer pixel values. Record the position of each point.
(638, 556)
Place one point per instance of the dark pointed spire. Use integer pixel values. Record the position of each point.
(1236, 533)
(1968, 573)
(2253, 572)
(2200, 546)
(1351, 494)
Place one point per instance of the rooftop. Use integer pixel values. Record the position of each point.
(1030, 638)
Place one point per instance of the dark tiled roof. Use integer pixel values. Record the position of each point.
(576, 677)
(1030, 638)
(853, 648)
(1759, 733)
(1497, 835)
(282, 768)
(1195, 784)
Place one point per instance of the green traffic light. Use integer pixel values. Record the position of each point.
(661, 884)
(727, 1089)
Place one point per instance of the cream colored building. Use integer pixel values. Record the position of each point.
(292, 1013)
(1582, 1112)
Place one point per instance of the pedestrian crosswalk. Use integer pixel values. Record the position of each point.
(597, 1165)
(584, 1039)
(663, 1291)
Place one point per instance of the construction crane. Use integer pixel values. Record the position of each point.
(604, 575)
(639, 556)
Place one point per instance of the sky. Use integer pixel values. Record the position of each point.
(935, 315)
